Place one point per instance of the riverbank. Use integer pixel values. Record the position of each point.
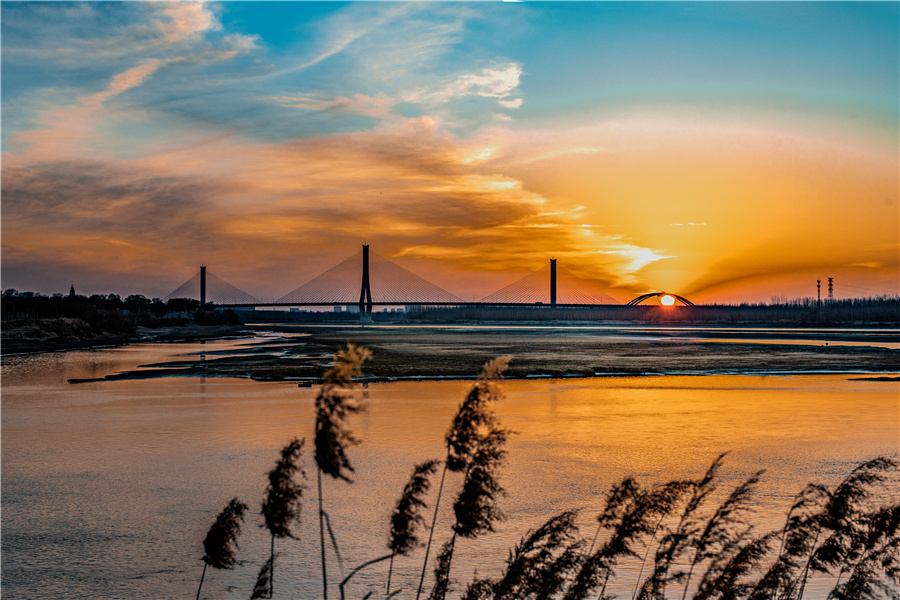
(303, 352)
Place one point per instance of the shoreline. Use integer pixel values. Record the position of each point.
(144, 335)
(876, 376)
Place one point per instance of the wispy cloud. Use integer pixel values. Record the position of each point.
(388, 40)
(123, 81)
(378, 106)
(496, 83)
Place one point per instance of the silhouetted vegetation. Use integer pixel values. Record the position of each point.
(281, 507)
(798, 311)
(406, 517)
(476, 448)
(221, 540)
(335, 403)
(687, 538)
(35, 321)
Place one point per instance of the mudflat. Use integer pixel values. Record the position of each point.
(302, 352)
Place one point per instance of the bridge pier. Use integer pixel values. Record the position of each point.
(365, 292)
(553, 282)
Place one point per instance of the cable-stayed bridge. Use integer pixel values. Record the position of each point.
(368, 279)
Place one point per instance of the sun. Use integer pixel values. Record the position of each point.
(667, 300)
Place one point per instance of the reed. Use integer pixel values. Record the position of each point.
(263, 586)
(842, 518)
(540, 564)
(407, 517)
(335, 403)
(476, 447)
(220, 542)
(723, 531)
(699, 549)
(282, 503)
(677, 541)
(405, 520)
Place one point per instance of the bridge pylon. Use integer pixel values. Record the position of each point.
(365, 292)
(202, 287)
(553, 282)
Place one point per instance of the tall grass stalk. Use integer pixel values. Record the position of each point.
(539, 565)
(720, 530)
(471, 425)
(841, 515)
(713, 554)
(283, 500)
(220, 542)
(263, 586)
(677, 541)
(407, 517)
(795, 541)
(437, 504)
(335, 403)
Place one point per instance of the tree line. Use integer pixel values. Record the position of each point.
(108, 313)
(799, 311)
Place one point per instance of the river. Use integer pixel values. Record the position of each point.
(108, 488)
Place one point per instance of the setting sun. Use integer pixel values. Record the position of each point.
(667, 300)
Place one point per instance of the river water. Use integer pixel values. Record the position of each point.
(108, 488)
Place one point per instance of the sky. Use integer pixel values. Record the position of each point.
(726, 152)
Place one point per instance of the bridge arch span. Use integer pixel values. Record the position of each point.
(643, 297)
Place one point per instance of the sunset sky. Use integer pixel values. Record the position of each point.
(725, 152)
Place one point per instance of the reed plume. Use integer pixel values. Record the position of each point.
(221, 539)
(721, 531)
(674, 543)
(282, 503)
(474, 417)
(841, 517)
(874, 547)
(631, 514)
(540, 564)
(407, 516)
(474, 431)
(739, 557)
(335, 403)
(476, 506)
(796, 541)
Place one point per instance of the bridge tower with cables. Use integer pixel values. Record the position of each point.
(202, 287)
(553, 282)
(365, 292)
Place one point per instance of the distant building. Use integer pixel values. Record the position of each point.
(72, 291)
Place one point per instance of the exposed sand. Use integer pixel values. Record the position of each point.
(303, 352)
